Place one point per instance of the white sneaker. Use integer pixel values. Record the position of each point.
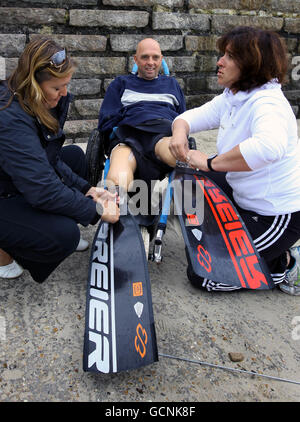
(291, 284)
(82, 245)
(12, 270)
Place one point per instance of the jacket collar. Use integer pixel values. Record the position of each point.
(61, 111)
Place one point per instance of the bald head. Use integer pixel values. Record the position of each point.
(148, 43)
(148, 58)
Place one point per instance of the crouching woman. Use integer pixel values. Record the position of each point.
(44, 193)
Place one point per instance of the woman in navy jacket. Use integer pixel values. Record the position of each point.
(43, 191)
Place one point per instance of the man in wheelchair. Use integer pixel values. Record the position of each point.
(139, 110)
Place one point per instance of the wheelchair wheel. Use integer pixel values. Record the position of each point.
(95, 157)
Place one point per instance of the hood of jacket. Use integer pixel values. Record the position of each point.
(269, 89)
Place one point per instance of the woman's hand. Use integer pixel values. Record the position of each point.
(110, 211)
(197, 160)
(178, 145)
(97, 193)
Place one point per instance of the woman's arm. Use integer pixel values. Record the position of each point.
(195, 120)
(179, 144)
(229, 161)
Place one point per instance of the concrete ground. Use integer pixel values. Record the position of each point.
(42, 328)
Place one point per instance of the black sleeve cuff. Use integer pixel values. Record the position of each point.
(85, 188)
(95, 219)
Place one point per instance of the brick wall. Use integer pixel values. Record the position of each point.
(102, 35)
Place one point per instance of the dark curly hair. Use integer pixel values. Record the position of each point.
(261, 56)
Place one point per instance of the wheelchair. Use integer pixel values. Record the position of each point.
(98, 164)
(96, 151)
(150, 226)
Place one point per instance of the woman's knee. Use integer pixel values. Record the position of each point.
(68, 236)
(36, 235)
(62, 241)
(75, 158)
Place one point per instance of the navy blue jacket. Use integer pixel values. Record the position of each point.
(30, 163)
(131, 100)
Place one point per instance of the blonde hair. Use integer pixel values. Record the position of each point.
(34, 67)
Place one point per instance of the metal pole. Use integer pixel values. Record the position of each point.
(243, 371)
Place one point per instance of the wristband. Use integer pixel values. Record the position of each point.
(209, 160)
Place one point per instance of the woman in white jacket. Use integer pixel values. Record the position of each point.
(258, 160)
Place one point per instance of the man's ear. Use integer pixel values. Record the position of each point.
(161, 62)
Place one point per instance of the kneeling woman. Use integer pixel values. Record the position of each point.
(43, 191)
(258, 161)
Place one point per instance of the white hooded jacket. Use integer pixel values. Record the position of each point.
(262, 122)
